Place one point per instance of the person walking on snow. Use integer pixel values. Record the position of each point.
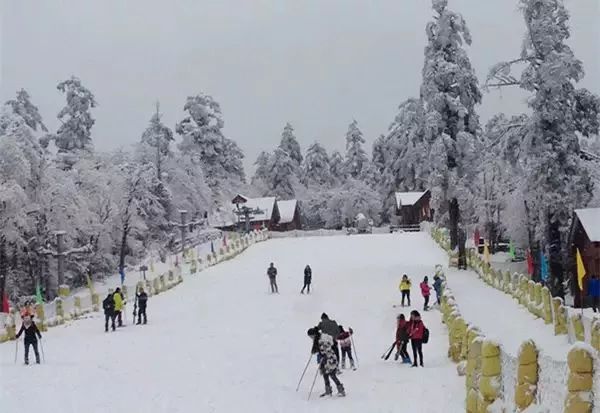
(405, 289)
(416, 332)
(402, 339)
(142, 299)
(272, 273)
(437, 287)
(328, 361)
(109, 311)
(119, 302)
(594, 292)
(426, 292)
(32, 333)
(330, 327)
(345, 342)
(307, 279)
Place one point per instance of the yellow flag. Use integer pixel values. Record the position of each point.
(580, 270)
(486, 253)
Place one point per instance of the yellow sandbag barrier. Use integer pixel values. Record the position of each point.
(560, 320)
(580, 382)
(596, 334)
(64, 290)
(490, 381)
(527, 375)
(577, 324)
(547, 305)
(473, 374)
(41, 318)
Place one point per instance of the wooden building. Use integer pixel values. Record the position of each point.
(584, 236)
(289, 216)
(412, 208)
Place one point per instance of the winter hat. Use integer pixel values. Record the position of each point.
(324, 316)
(311, 332)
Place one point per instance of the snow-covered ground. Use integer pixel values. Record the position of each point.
(221, 343)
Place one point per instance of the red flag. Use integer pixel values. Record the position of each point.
(5, 306)
(476, 237)
(529, 263)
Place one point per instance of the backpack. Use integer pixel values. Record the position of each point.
(425, 336)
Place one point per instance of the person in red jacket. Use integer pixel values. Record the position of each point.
(345, 341)
(416, 332)
(402, 339)
(426, 292)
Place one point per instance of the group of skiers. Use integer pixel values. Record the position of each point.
(406, 284)
(272, 274)
(328, 337)
(413, 331)
(114, 304)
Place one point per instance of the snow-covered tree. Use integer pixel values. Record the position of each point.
(281, 178)
(559, 111)
(352, 198)
(336, 166)
(290, 144)
(23, 107)
(356, 157)
(202, 133)
(449, 93)
(158, 137)
(316, 168)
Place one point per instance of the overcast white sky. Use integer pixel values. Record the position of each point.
(315, 63)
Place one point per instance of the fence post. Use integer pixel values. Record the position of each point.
(491, 379)
(527, 375)
(580, 382)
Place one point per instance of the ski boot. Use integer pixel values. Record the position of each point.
(396, 356)
(352, 366)
(406, 360)
(343, 364)
(341, 391)
(328, 391)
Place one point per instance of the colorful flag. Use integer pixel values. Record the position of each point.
(122, 272)
(38, 294)
(529, 263)
(476, 237)
(580, 270)
(511, 251)
(544, 273)
(486, 253)
(5, 306)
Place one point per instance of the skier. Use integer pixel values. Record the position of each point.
(330, 327)
(119, 302)
(328, 361)
(437, 286)
(31, 338)
(416, 332)
(345, 342)
(405, 285)
(142, 298)
(402, 339)
(109, 311)
(594, 292)
(272, 273)
(307, 279)
(27, 310)
(425, 291)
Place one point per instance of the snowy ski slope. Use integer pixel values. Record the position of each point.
(221, 343)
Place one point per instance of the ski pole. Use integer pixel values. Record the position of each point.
(16, 349)
(42, 348)
(313, 384)
(354, 347)
(304, 372)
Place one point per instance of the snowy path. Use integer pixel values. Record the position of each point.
(221, 343)
(501, 317)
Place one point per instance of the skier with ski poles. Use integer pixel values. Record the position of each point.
(328, 362)
(32, 333)
(142, 300)
(402, 340)
(331, 328)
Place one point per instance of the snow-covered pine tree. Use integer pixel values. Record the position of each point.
(290, 145)
(450, 92)
(158, 137)
(336, 166)
(74, 134)
(23, 107)
(559, 110)
(282, 178)
(316, 168)
(356, 157)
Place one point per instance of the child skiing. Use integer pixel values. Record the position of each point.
(32, 333)
(328, 362)
(416, 332)
(307, 279)
(109, 311)
(402, 339)
(142, 299)
(345, 341)
(405, 289)
(272, 273)
(426, 292)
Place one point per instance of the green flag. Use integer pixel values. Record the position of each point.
(511, 250)
(38, 294)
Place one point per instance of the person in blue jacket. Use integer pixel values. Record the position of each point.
(594, 292)
(437, 286)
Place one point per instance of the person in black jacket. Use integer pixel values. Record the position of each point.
(109, 311)
(307, 279)
(331, 328)
(272, 273)
(142, 298)
(31, 338)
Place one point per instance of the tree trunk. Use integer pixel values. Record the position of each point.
(533, 246)
(454, 214)
(123, 249)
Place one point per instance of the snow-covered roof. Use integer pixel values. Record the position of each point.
(590, 221)
(286, 210)
(266, 205)
(408, 198)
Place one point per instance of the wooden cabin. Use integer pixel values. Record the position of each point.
(289, 216)
(412, 208)
(584, 236)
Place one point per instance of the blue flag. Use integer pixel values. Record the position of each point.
(122, 272)
(543, 267)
